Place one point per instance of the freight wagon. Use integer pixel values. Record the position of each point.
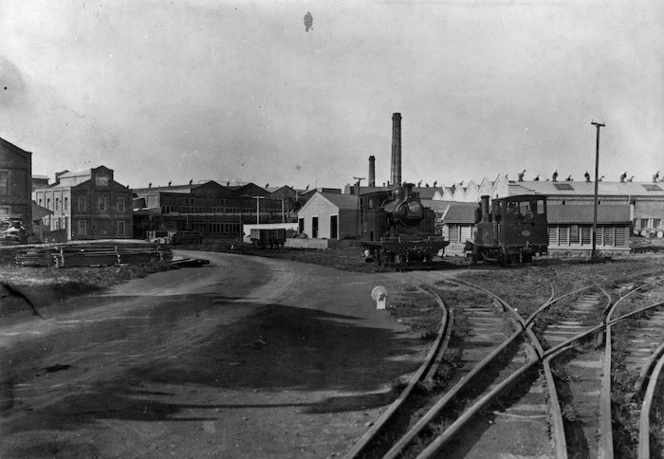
(272, 237)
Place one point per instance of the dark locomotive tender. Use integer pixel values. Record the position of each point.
(513, 230)
(395, 227)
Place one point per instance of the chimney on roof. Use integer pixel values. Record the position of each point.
(521, 175)
(554, 178)
(372, 171)
(587, 176)
(58, 174)
(623, 177)
(396, 149)
(169, 183)
(655, 177)
(191, 182)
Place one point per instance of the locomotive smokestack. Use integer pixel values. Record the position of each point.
(372, 171)
(396, 149)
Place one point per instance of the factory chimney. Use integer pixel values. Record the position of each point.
(372, 171)
(396, 149)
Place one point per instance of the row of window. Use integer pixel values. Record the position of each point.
(120, 204)
(82, 228)
(608, 235)
(647, 223)
(214, 210)
(200, 210)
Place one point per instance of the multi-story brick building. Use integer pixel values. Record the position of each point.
(15, 185)
(88, 204)
(208, 208)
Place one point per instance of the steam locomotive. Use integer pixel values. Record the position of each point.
(396, 228)
(512, 231)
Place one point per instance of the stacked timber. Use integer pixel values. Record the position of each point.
(72, 255)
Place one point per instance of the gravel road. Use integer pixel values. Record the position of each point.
(245, 357)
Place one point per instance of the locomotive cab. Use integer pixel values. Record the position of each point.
(513, 230)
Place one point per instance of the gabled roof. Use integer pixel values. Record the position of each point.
(340, 201)
(250, 189)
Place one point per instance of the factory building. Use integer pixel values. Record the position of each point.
(208, 208)
(85, 205)
(15, 186)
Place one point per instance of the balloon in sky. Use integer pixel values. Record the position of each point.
(308, 22)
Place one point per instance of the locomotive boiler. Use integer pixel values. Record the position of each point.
(396, 228)
(510, 230)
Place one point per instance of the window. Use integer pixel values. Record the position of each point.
(644, 223)
(121, 205)
(82, 228)
(657, 223)
(609, 235)
(652, 187)
(563, 186)
(82, 204)
(57, 203)
(121, 228)
(564, 235)
(4, 183)
(101, 203)
(48, 204)
(4, 211)
(574, 236)
(586, 232)
(66, 204)
(553, 235)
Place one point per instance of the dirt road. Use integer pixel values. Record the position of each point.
(246, 357)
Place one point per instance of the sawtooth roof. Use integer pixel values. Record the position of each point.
(583, 188)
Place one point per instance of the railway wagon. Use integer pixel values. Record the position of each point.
(270, 237)
(395, 227)
(510, 230)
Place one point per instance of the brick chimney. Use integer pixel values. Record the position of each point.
(396, 149)
(372, 170)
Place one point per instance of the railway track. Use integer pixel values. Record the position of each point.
(554, 376)
(635, 337)
(396, 417)
(488, 358)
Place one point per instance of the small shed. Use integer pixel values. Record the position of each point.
(329, 216)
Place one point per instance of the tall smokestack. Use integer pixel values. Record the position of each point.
(372, 170)
(396, 149)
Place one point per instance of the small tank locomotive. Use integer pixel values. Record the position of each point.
(396, 228)
(511, 230)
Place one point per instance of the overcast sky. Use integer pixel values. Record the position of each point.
(228, 90)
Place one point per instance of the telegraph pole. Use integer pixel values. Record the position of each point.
(598, 125)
